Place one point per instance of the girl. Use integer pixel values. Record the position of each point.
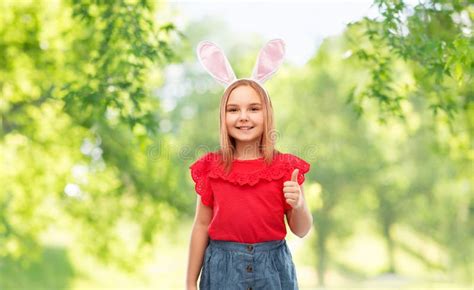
(246, 188)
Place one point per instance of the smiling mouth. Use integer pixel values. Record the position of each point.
(244, 128)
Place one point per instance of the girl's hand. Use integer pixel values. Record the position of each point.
(292, 191)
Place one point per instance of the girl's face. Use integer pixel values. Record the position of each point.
(244, 114)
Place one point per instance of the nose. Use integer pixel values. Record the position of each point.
(243, 115)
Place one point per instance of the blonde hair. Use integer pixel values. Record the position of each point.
(267, 140)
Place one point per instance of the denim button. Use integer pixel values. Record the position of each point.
(249, 248)
(249, 268)
(250, 288)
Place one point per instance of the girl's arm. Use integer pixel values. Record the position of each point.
(198, 243)
(300, 219)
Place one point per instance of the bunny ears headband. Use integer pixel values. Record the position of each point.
(216, 64)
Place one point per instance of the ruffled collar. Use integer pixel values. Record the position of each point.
(250, 172)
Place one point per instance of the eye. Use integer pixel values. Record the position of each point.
(231, 110)
(255, 109)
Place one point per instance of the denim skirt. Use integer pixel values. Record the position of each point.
(259, 266)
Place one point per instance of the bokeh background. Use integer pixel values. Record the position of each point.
(103, 107)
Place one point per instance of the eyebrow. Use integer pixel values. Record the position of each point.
(252, 104)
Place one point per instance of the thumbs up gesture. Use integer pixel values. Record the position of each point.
(292, 191)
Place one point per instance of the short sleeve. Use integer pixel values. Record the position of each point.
(298, 163)
(199, 173)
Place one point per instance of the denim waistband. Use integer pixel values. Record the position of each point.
(247, 248)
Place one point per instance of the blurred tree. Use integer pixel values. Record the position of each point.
(435, 38)
(421, 57)
(78, 124)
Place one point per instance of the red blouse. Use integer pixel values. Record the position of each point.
(248, 203)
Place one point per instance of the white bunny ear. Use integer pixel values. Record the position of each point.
(215, 62)
(269, 60)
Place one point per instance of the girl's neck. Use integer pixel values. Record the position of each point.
(247, 151)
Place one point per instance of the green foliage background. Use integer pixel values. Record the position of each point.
(103, 107)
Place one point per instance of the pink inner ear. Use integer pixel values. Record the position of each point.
(269, 59)
(215, 62)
